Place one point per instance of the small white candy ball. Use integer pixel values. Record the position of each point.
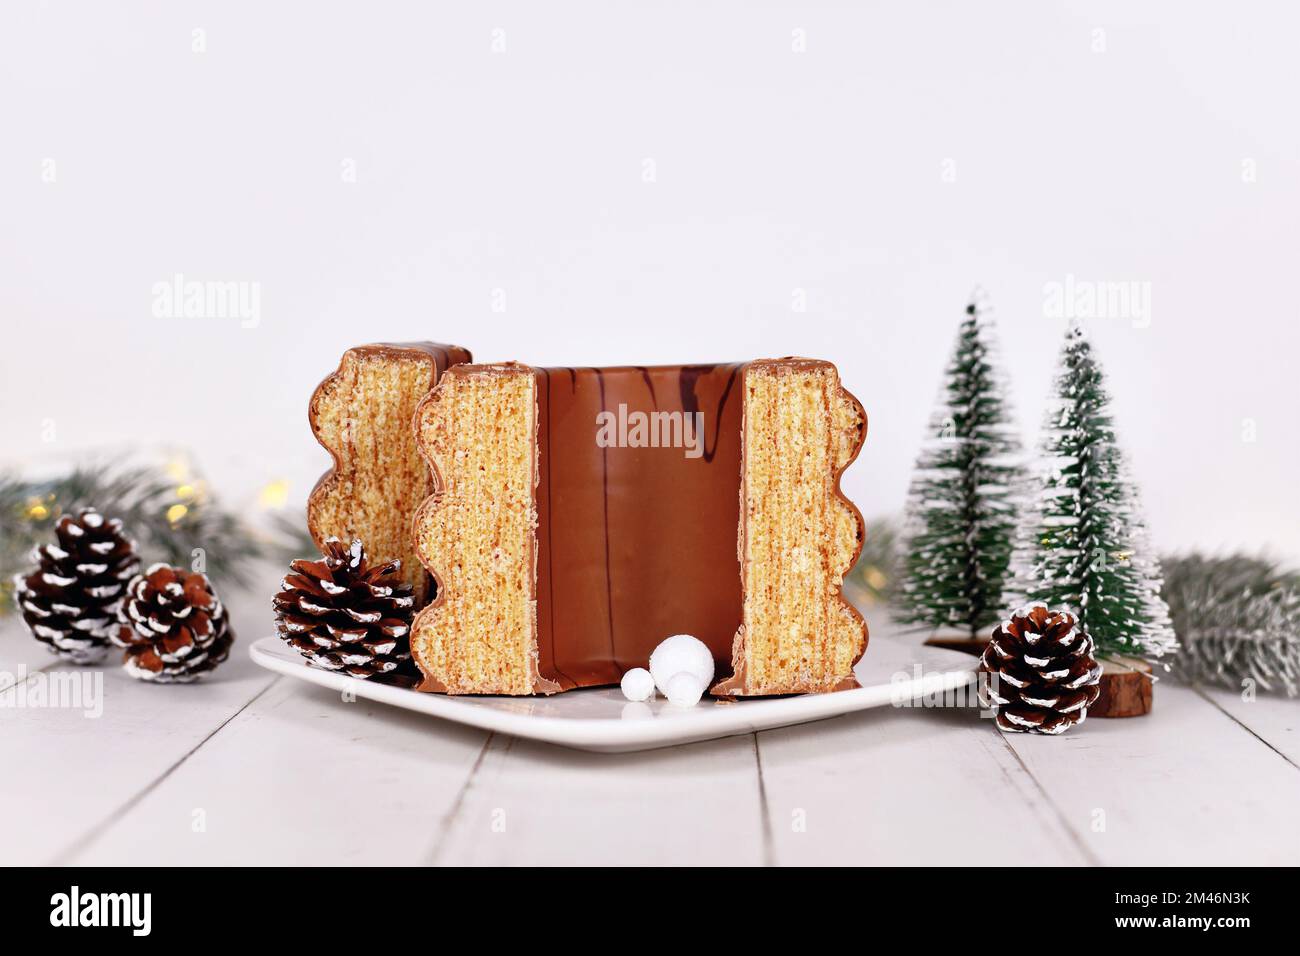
(678, 653)
(684, 689)
(637, 684)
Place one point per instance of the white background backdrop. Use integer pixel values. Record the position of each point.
(908, 153)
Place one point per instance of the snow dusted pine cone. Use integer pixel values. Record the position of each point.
(1042, 675)
(174, 627)
(344, 615)
(70, 600)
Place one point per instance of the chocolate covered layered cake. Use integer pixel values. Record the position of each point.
(583, 515)
(362, 414)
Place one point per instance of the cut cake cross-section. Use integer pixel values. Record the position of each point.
(799, 535)
(362, 415)
(564, 554)
(477, 534)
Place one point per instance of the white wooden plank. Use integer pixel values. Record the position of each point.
(1275, 719)
(1188, 784)
(20, 653)
(533, 803)
(1184, 785)
(79, 770)
(905, 786)
(301, 777)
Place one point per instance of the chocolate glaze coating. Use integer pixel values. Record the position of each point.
(635, 544)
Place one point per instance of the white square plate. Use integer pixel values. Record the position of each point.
(601, 719)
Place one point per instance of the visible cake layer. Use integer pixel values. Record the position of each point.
(798, 534)
(476, 534)
(362, 415)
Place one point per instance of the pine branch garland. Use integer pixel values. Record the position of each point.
(166, 525)
(1237, 618)
(962, 502)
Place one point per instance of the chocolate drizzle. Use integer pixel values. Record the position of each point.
(690, 375)
(649, 383)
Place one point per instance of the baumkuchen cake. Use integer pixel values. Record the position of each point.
(582, 515)
(362, 414)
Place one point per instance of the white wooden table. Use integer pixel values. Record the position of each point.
(250, 768)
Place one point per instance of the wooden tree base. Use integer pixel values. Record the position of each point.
(1126, 687)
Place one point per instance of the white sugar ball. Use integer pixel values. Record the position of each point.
(684, 689)
(637, 684)
(678, 653)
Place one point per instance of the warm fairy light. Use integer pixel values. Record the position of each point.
(36, 509)
(178, 469)
(274, 494)
(191, 491)
(876, 578)
(176, 512)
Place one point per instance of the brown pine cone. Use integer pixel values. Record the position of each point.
(343, 615)
(1042, 675)
(174, 628)
(71, 599)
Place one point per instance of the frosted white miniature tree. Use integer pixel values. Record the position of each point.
(961, 509)
(1083, 543)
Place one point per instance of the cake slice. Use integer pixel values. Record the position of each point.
(362, 415)
(798, 535)
(583, 515)
(477, 534)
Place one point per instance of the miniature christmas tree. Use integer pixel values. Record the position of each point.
(1083, 542)
(961, 506)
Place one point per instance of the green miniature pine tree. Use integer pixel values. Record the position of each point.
(961, 505)
(1083, 543)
